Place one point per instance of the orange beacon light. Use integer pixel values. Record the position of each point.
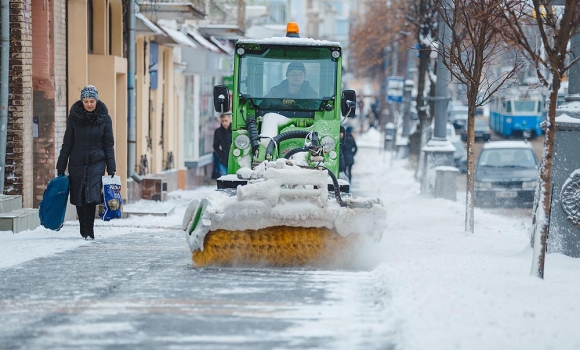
(292, 30)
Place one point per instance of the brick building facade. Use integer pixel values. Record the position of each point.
(49, 89)
(37, 96)
(19, 145)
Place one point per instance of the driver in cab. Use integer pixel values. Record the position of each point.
(294, 86)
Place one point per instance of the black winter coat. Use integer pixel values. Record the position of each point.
(349, 149)
(281, 91)
(222, 142)
(87, 148)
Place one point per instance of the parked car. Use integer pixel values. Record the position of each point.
(459, 120)
(460, 155)
(450, 132)
(481, 130)
(457, 115)
(506, 173)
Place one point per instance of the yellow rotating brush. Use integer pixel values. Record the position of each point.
(273, 246)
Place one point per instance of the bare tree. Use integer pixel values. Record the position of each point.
(475, 45)
(377, 29)
(370, 35)
(422, 15)
(383, 26)
(555, 26)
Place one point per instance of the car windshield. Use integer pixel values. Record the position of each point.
(264, 76)
(480, 123)
(507, 157)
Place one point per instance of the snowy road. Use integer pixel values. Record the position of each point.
(139, 291)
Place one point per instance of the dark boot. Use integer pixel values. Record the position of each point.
(80, 214)
(89, 219)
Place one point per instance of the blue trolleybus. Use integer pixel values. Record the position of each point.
(517, 116)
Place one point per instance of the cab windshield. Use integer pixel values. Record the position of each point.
(266, 79)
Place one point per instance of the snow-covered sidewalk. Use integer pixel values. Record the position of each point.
(450, 289)
(24, 246)
(445, 288)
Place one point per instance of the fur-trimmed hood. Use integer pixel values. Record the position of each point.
(80, 116)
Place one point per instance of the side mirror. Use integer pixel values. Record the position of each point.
(348, 103)
(221, 98)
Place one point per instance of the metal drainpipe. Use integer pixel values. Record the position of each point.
(131, 93)
(574, 72)
(4, 67)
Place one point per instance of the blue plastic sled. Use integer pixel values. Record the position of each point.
(52, 207)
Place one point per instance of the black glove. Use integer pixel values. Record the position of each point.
(60, 174)
(112, 175)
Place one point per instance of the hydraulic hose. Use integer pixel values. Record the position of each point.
(336, 188)
(294, 134)
(365, 204)
(296, 150)
(313, 148)
(252, 127)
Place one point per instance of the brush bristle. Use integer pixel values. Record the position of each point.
(279, 246)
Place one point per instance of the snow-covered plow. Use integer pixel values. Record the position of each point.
(281, 203)
(284, 216)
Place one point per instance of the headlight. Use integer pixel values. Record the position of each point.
(529, 185)
(328, 143)
(242, 141)
(482, 185)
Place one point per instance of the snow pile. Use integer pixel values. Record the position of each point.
(289, 41)
(284, 194)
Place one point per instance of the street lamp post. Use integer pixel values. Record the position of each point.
(402, 142)
(439, 150)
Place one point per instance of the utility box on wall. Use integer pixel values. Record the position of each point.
(564, 229)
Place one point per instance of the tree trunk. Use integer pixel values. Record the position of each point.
(543, 207)
(424, 117)
(470, 190)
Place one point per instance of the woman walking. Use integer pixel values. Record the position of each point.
(87, 149)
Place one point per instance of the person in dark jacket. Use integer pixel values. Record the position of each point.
(87, 150)
(341, 163)
(222, 141)
(295, 85)
(295, 91)
(349, 150)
